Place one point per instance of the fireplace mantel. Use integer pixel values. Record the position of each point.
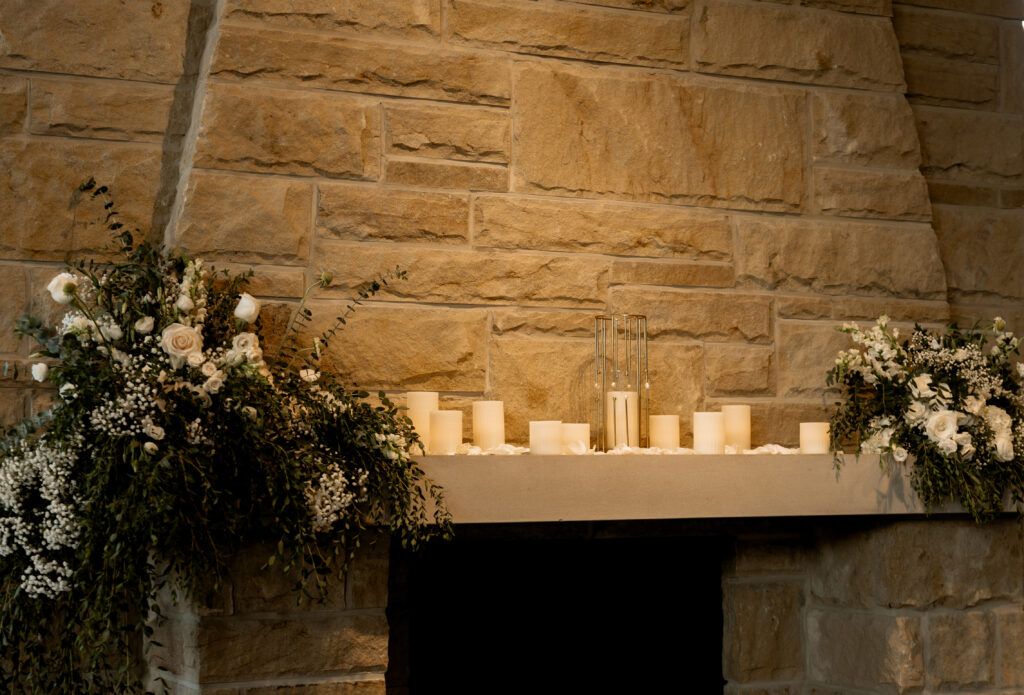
(509, 489)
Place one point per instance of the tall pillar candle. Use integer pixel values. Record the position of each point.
(445, 431)
(575, 437)
(737, 426)
(545, 437)
(488, 424)
(665, 431)
(708, 433)
(813, 437)
(622, 419)
(420, 404)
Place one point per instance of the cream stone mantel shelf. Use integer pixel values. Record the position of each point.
(508, 489)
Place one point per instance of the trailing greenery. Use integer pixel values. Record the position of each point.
(942, 404)
(172, 441)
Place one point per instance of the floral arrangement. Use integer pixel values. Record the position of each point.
(944, 404)
(174, 437)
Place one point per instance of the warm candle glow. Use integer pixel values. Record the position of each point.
(488, 424)
(708, 433)
(737, 426)
(545, 437)
(813, 437)
(665, 431)
(445, 431)
(420, 404)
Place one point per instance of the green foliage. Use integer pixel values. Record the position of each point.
(156, 464)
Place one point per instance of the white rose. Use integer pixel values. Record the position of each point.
(195, 359)
(941, 426)
(208, 369)
(214, 383)
(39, 371)
(185, 303)
(998, 420)
(179, 342)
(900, 454)
(947, 446)
(63, 287)
(1004, 448)
(153, 431)
(248, 308)
(150, 448)
(243, 342)
(111, 331)
(233, 358)
(144, 326)
(309, 375)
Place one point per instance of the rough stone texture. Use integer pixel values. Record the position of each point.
(841, 258)
(997, 8)
(948, 35)
(101, 109)
(271, 280)
(809, 307)
(287, 132)
(876, 652)
(449, 132)
(763, 634)
(1012, 41)
(778, 422)
(463, 276)
(38, 182)
(963, 194)
(694, 314)
(878, 7)
(13, 103)
(363, 66)
(258, 590)
(974, 243)
(672, 274)
(76, 38)
(734, 370)
(869, 129)
(1011, 631)
(837, 49)
(404, 18)
(366, 687)
(14, 289)
(229, 216)
(476, 177)
(651, 5)
(842, 573)
(1012, 198)
(965, 143)
(714, 146)
(806, 351)
(358, 212)
(569, 31)
(543, 323)
(600, 227)
(782, 555)
(962, 650)
(895, 195)
(951, 82)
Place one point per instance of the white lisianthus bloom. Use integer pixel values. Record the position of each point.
(153, 431)
(179, 342)
(900, 454)
(111, 331)
(941, 426)
(1004, 448)
(185, 303)
(63, 287)
(233, 358)
(921, 386)
(974, 405)
(997, 419)
(144, 326)
(947, 446)
(150, 448)
(309, 375)
(916, 412)
(248, 308)
(39, 371)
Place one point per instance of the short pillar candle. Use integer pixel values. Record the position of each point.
(813, 437)
(737, 426)
(664, 431)
(545, 437)
(488, 424)
(420, 404)
(445, 431)
(575, 436)
(708, 433)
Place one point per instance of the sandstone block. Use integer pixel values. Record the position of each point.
(672, 274)
(952, 193)
(287, 132)
(649, 5)
(786, 555)
(449, 132)
(866, 129)
(951, 82)
(600, 227)
(997, 8)
(259, 589)
(560, 323)
(39, 180)
(974, 244)
(583, 133)
(895, 195)
(879, 7)
(1012, 198)
(777, 422)
(101, 109)
(956, 143)
(54, 36)
(465, 276)
(738, 369)
(841, 571)
(805, 307)
(677, 383)
(948, 563)
(963, 36)
(962, 650)
(12, 402)
(13, 103)
(760, 690)
(571, 31)
(360, 213)
(867, 651)
(14, 289)
(233, 649)
(246, 218)
(840, 258)
(898, 310)
(402, 18)
(763, 631)
(271, 280)
(806, 351)
(694, 314)
(1012, 41)
(361, 66)
(840, 49)
(476, 177)
(1011, 631)
(363, 687)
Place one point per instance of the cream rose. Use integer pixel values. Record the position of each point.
(208, 369)
(248, 308)
(998, 420)
(111, 331)
(179, 342)
(947, 446)
(244, 342)
(144, 326)
(195, 359)
(941, 426)
(214, 383)
(63, 287)
(1004, 448)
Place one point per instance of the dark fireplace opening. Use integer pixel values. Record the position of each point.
(546, 607)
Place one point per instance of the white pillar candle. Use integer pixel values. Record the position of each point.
(665, 431)
(445, 431)
(737, 426)
(545, 437)
(575, 436)
(708, 433)
(419, 405)
(622, 419)
(813, 437)
(488, 424)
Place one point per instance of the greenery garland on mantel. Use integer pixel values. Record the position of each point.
(175, 437)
